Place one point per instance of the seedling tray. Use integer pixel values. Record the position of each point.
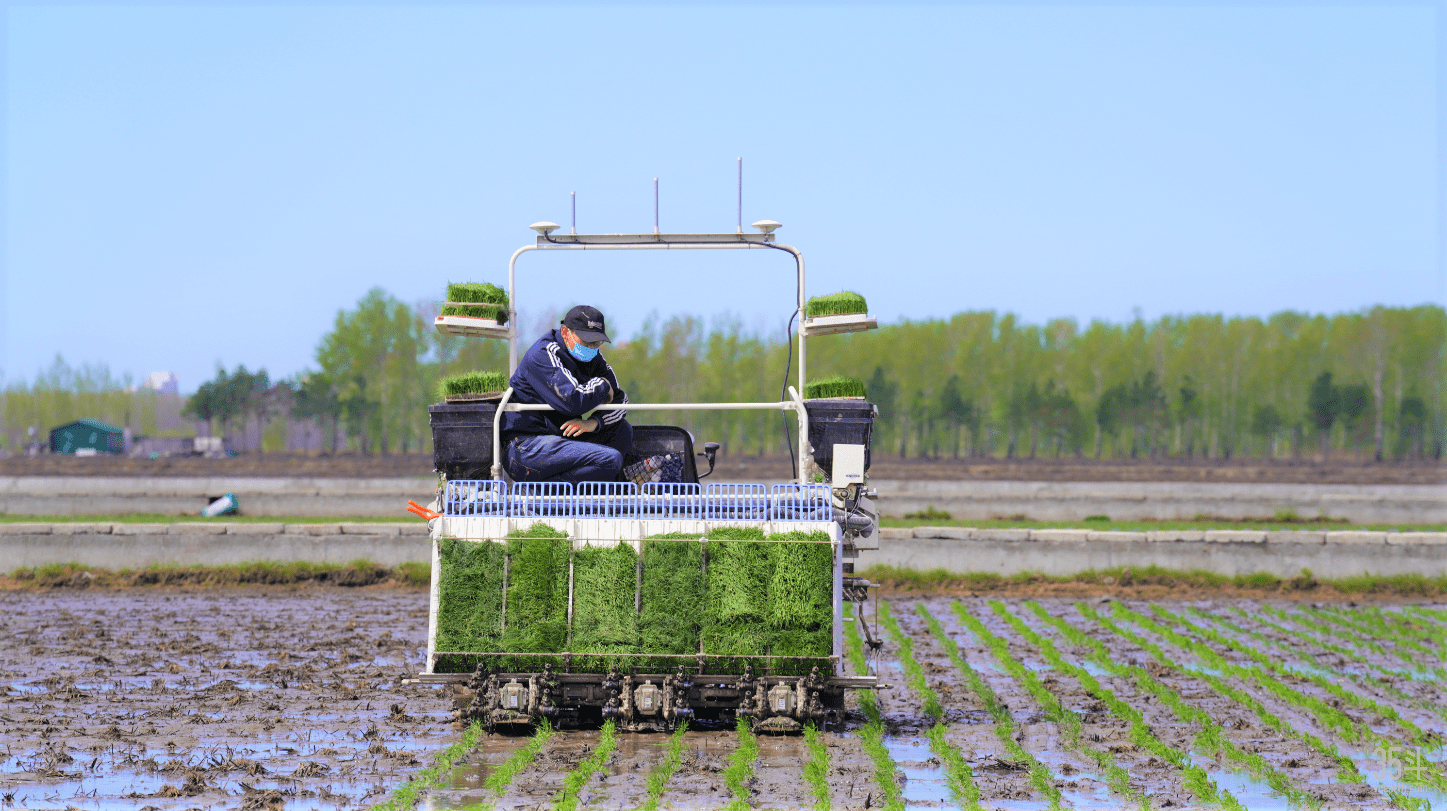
(467, 326)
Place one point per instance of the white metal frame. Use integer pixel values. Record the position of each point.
(596, 242)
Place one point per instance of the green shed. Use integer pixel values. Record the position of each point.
(102, 436)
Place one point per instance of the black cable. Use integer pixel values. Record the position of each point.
(784, 395)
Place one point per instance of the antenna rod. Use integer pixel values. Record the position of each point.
(575, 211)
(741, 196)
(655, 205)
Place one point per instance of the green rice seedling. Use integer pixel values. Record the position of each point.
(833, 387)
(1069, 722)
(871, 735)
(1210, 737)
(1372, 625)
(405, 796)
(1296, 650)
(660, 774)
(854, 652)
(1377, 625)
(471, 383)
(736, 592)
(913, 673)
(1004, 724)
(537, 591)
(605, 582)
(957, 772)
(842, 303)
(816, 768)
(1330, 716)
(958, 775)
(1409, 625)
(475, 293)
(1343, 629)
(738, 581)
(502, 777)
(1406, 801)
(1325, 630)
(741, 767)
(469, 605)
(886, 774)
(578, 778)
(800, 587)
(1352, 697)
(673, 596)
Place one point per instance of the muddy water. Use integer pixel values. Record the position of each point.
(220, 699)
(253, 699)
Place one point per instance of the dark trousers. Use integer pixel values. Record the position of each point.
(596, 456)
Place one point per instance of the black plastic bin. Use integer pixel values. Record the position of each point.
(462, 438)
(838, 422)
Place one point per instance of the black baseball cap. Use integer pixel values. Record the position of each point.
(586, 323)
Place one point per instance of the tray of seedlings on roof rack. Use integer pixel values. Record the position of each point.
(837, 312)
(474, 310)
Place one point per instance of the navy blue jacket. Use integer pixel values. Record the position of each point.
(549, 373)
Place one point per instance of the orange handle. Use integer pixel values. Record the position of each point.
(417, 509)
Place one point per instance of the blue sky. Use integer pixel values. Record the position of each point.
(194, 185)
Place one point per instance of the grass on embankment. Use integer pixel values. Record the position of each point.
(1122, 578)
(359, 572)
(1265, 524)
(363, 572)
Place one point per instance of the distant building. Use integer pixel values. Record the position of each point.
(162, 382)
(99, 437)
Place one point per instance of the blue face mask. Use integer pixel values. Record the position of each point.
(583, 353)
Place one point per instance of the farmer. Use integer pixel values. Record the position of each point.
(565, 370)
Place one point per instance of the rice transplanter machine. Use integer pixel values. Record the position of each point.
(523, 572)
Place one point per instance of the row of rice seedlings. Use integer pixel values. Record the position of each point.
(1211, 736)
(661, 773)
(1375, 623)
(958, 775)
(1351, 697)
(741, 767)
(913, 673)
(1040, 775)
(1323, 631)
(871, 735)
(1312, 636)
(1424, 611)
(1328, 715)
(405, 796)
(816, 768)
(1140, 733)
(578, 778)
(497, 783)
(1367, 623)
(1408, 624)
(1406, 801)
(1327, 624)
(1311, 660)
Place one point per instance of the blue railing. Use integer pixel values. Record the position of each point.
(653, 501)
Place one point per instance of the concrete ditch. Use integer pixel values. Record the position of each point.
(1043, 501)
(955, 549)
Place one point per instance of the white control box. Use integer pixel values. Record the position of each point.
(848, 465)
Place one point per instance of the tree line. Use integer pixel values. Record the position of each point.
(1369, 383)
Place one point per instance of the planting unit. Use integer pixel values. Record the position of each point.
(652, 605)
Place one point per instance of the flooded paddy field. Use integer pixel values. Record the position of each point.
(291, 698)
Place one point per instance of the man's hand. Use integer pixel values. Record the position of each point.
(578, 427)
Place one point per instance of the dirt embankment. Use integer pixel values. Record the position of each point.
(753, 468)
